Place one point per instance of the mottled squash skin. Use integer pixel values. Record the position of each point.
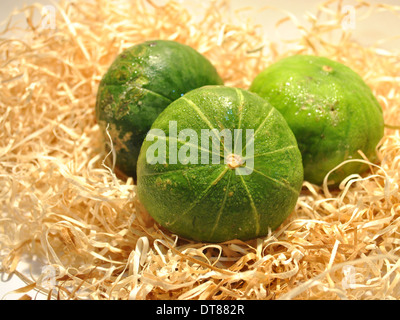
(141, 82)
(211, 202)
(330, 109)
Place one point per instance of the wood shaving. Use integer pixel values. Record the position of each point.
(60, 201)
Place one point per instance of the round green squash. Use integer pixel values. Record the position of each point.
(141, 82)
(330, 109)
(219, 163)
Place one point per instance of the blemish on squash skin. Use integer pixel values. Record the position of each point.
(119, 142)
(327, 68)
(163, 184)
(122, 110)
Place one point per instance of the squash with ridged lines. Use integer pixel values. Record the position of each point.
(238, 188)
(141, 82)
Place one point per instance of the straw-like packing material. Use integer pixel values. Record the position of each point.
(60, 201)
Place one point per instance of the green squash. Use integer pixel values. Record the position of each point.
(329, 108)
(219, 163)
(141, 82)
